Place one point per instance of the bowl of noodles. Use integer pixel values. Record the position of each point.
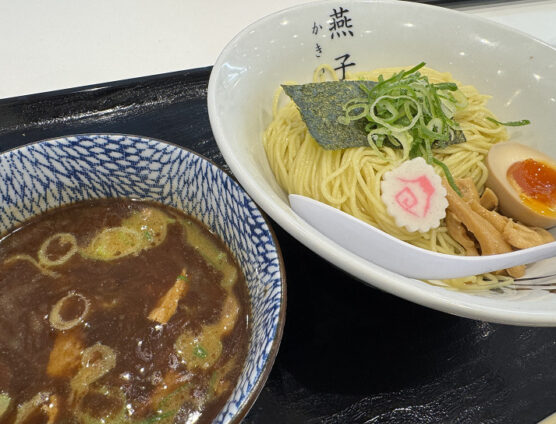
(491, 85)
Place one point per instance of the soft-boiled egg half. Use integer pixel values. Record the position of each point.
(525, 181)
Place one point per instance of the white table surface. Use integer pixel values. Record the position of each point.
(49, 45)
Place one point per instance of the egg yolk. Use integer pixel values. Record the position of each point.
(536, 183)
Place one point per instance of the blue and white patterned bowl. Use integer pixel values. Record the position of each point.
(56, 172)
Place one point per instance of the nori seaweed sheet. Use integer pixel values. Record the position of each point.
(321, 104)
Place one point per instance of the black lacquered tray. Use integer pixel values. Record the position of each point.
(350, 353)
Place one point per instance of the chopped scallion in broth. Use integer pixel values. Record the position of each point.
(118, 311)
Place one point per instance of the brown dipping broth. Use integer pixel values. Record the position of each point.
(181, 370)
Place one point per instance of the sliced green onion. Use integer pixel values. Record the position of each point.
(199, 351)
(415, 150)
(449, 176)
(5, 401)
(406, 110)
(388, 125)
(450, 86)
(159, 416)
(414, 69)
(510, 123)
(356, 111)
(434, 135)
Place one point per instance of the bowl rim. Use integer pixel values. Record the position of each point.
(276, 341)
(457, 303)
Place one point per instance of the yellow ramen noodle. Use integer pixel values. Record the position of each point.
(349, 179)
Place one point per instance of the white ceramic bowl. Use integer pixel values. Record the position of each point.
(518, 71)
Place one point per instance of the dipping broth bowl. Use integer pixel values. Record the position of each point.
(51, 173)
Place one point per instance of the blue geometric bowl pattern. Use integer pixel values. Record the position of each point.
(56, 172)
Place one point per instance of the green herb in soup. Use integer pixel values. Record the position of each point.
(118, 311)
